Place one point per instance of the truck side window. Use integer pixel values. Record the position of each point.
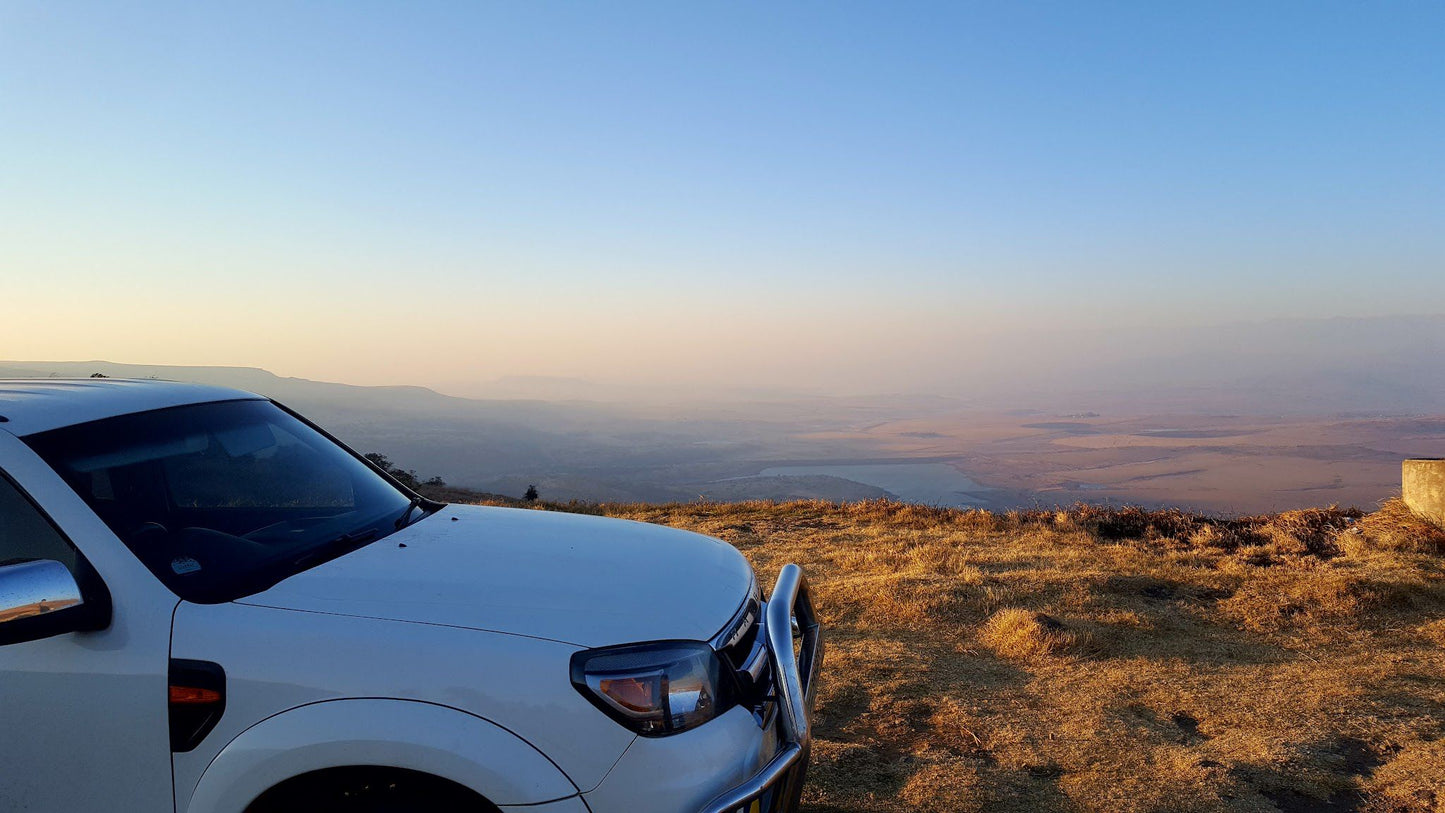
(25, 533)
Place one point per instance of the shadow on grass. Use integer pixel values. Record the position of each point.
(1350, 760)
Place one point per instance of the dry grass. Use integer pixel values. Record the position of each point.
(1413, 780)
(1112, 659)
(1026, 635)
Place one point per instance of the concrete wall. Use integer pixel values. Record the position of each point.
(1424, 489)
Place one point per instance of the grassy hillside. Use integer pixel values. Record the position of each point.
(1115, 660)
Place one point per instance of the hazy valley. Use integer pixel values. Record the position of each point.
(1187, 423)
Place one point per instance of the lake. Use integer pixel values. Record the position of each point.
(928, 483)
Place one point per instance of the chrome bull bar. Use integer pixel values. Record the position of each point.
(789, 613)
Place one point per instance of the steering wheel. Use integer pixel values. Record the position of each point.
(146, 529)
(296, 524)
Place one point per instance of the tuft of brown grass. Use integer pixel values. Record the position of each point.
(1434, 631)
(1281, 600)
(1395, 528)
(1412, 780)
(1024, 635)
(1111, 659)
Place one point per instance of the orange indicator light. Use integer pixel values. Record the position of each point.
(632, 693)
(191, 696)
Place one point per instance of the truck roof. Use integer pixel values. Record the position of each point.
(35, 405)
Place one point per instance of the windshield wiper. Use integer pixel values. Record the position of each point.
(336, 546)
(401, 521)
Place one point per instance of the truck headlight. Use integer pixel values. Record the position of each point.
(655, 689)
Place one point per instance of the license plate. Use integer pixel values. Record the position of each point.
(762, 804)
(774, 798)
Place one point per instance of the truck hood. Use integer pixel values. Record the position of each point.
(578, 579)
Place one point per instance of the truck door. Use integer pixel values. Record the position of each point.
(83, 715)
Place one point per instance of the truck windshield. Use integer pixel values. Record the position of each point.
(225, 499)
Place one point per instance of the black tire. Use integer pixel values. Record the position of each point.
(369, 789)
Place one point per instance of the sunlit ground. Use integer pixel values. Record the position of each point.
(1113, 660)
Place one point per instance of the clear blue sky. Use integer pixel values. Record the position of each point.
(612, 189)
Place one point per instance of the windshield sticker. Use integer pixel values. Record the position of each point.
(184, 564)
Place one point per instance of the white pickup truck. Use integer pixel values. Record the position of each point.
(209, 605)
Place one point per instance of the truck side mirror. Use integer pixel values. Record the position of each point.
(40, 598)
